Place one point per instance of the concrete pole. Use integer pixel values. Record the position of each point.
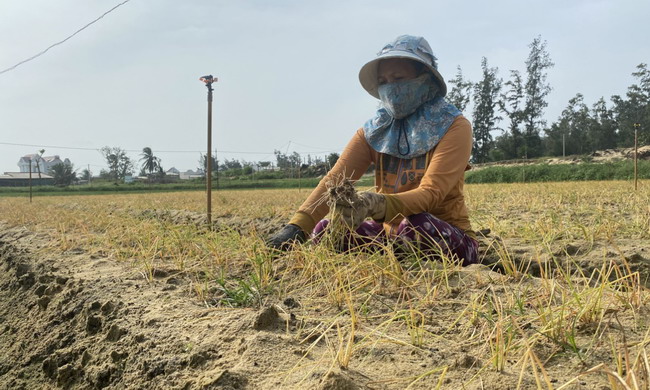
(636, 152)
(208, 80)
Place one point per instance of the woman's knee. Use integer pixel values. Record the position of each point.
(432, 235)
(416, 224)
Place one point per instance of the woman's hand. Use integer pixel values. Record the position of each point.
(286, 237)
(370, 204)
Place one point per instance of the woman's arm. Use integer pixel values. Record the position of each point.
(353, 163)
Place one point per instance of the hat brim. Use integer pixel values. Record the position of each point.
(368, 73)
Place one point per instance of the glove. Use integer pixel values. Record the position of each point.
(369, 204)
(283, 239)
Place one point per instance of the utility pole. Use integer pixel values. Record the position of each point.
(208, 80)
(299, 179)
(216, 169)
(30, 180)
(636, 152)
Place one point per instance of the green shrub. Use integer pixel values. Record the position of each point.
(620, 170)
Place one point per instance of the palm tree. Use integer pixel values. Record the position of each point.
(86, 175)
(63, 174)
(38, 159)
(150, 163)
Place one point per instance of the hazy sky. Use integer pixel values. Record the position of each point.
(288, 70)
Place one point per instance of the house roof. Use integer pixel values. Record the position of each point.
(23, 175)
(33, 157)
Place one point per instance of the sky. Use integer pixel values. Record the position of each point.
(287, 69)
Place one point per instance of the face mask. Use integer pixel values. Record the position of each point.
(402, 98)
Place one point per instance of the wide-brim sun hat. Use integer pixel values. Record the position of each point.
(404, 46)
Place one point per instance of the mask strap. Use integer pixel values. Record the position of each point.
(402, 130)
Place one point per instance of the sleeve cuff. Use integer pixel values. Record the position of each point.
(394, 208)
(305, 221)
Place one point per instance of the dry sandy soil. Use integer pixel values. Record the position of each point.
(76, 320)
(643, 153)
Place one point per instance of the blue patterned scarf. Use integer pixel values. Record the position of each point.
(414, 135)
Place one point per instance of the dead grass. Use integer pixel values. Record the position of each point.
(567, 306)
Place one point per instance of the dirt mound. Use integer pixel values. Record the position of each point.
(600, 156)
(261, 226)
(621, 154)
(604, 156)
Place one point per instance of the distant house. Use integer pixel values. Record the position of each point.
(173, 171)
(187, 175)
(172, 174)
(44, 163)
(190, 174)
(21, 179)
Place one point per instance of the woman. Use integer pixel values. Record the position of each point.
(420, 145)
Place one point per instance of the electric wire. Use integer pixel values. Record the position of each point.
(316, 150)
(40, 146)
(63, 41)
(157, 151)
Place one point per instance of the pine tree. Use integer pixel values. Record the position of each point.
(570, 134)
(536, 89)
(461, 90)
(511, 103)
(634, 109)
(603, 127)
(486, 100)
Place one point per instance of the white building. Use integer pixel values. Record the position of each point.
(190, 174)
(44, 163)
(187, 175)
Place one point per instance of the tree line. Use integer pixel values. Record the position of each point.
(120, 165)
(285, 165)
(514, 109)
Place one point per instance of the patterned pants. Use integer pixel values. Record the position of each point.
(423, 232)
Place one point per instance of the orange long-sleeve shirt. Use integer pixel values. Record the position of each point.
(431, 183)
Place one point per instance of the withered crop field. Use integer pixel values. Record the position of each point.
(134, 291)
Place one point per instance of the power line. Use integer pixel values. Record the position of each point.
(140, 150)
(60, 42)
(317, 150)
(47, 146)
